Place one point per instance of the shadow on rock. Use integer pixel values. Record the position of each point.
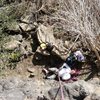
(47, 60)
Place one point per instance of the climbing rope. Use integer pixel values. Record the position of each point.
(61, 88)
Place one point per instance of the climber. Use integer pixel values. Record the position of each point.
(67, 70)
(64, 72)
(75, 60)
(46, 47)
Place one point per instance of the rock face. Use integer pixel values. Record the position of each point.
(18, 43)
(9, 91)
(95, 95)
(27, 26)
(11, 45)
(45, 34)
(15, 88)
(77, 91)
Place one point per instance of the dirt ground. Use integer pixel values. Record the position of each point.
(21, 70)
(43, 85)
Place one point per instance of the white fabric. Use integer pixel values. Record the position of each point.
(66, 76)
(64, 72)
(53, 69)
(51, 76)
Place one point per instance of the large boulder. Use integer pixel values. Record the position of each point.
(95, 95)
(26, 24)
(18, 37)
(11, 45)
(27, 20)
(95, 81)
(45, 35)
(9, 89)
(15, 88)
(74, 91)
(18, 43)
(12, 95)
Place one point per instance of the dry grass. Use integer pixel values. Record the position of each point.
(81, 17)
(78, 20)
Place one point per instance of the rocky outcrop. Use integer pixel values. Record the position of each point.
(12, 45)
(95, 95)
(79, 90)
(45, 35)
(18, 43)
(15, 88)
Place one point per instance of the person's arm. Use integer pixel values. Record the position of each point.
(54, 69)
(64, 66)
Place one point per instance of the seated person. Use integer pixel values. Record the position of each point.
(75, 60)
(45, 48)
(64, 72)
(67, 70)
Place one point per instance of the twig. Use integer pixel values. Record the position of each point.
(74, 42)
(40, 8)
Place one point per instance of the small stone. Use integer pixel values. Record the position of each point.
(31, 70)
(17, 37)
(31, 75)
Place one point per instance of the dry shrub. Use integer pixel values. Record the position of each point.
(77, 21)
(80, 18)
